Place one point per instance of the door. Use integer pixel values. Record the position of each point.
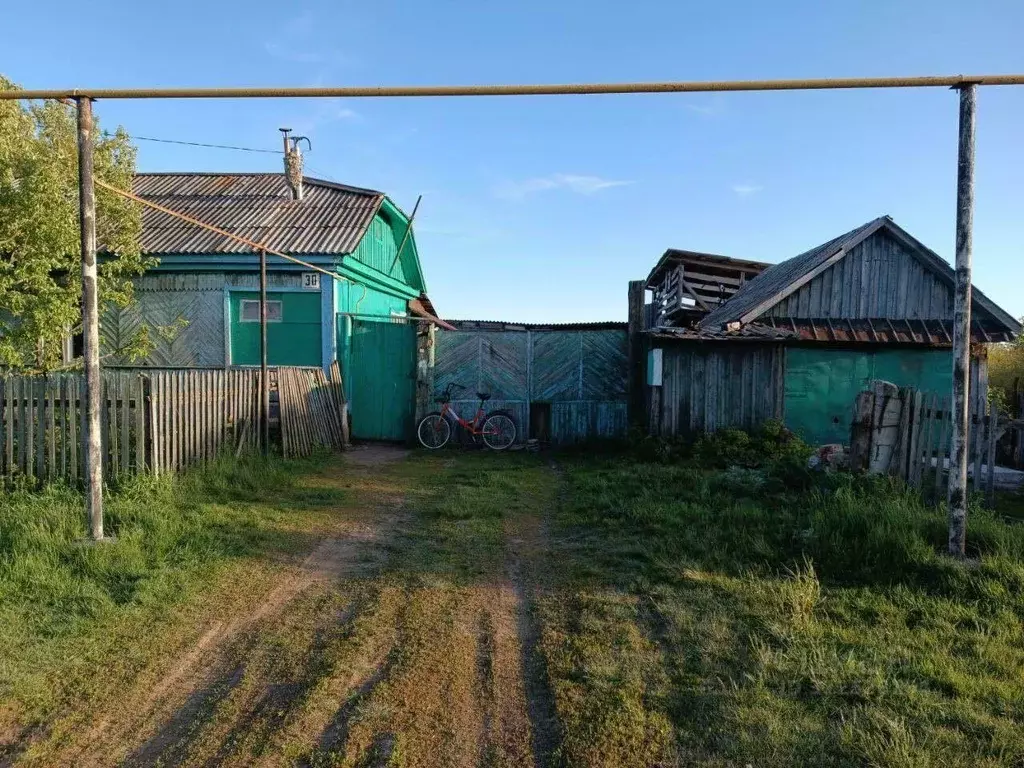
(383, 363)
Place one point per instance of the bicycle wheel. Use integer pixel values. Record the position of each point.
(434, 431)
(498, 431)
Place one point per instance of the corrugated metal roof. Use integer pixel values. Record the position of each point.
(779, 276)
(934, 333)
(331, 218)
(748, 332)
(502, 325)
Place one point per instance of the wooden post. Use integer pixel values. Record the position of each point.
(264, 380)
(957, 492)
(90, 321)
(636, 382)
(861, 431)
(992, 434)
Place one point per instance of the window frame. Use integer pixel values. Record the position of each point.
(270, 302)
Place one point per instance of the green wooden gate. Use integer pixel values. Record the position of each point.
(382, 361)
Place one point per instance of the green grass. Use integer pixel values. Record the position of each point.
(774, 618)
(692, 607)
(68, 607)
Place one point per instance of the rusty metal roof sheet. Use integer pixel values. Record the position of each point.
(749, 332)
(331, 218)
(934, 333)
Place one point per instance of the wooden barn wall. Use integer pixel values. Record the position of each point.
(184, 313)
(879, 278)
(581, 374)
(706, 387)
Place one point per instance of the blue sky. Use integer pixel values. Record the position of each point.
(542, 208)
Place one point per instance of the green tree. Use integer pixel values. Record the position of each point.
(1006, 373)
(40, 285)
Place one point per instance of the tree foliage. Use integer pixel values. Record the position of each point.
(1006, 373)
(40, 266)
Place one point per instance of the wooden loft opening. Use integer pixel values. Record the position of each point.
(686, 285)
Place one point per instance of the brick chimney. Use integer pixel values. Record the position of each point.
(293, 162)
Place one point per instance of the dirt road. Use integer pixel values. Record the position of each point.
(395, 639)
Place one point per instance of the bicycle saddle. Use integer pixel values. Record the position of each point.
(483, 396)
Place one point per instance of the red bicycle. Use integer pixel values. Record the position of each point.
(497, 429)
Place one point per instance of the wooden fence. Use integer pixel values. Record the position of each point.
(160, 420)
(908, 433)
(312, 409)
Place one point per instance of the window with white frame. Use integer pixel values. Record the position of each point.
(250, 311)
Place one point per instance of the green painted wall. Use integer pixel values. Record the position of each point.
(379, 245)
(293, 341)
(822, 384)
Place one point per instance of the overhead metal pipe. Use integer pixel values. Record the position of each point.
(564, 89)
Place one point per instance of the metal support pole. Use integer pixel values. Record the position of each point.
(957, 494)
(90, 321)
(264, 381)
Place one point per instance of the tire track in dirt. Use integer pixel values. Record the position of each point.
(209, 672)
(526, 545)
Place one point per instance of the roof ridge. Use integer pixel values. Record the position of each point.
(314, 180)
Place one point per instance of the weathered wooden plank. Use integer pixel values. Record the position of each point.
(916, 464)
(39, 385)
(28, 451)
(5, 424)
(176, 433)
(74, 386)
(977, 439)
(942, 449)
(9, 395)
(108, 426)
(931, 414)
(49, 428)
(139, 404)
(904, 442)
(125, 420)
(990, 459)
(150, 394)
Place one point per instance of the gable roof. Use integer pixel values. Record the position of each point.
(330, 219)
(780, 280)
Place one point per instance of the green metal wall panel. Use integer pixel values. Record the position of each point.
(293, 341)
(382, 379)
(379, 245)
(822, 384)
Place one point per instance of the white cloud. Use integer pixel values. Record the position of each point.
(580, 184)
(709, 108)
(323, 112)
(746, 189)
(294, 44)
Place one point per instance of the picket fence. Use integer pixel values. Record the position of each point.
(161, 421)
(910, 436)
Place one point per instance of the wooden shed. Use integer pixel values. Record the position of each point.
(799, 340)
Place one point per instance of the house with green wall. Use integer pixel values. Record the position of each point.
(200, 303)
(731, 343)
